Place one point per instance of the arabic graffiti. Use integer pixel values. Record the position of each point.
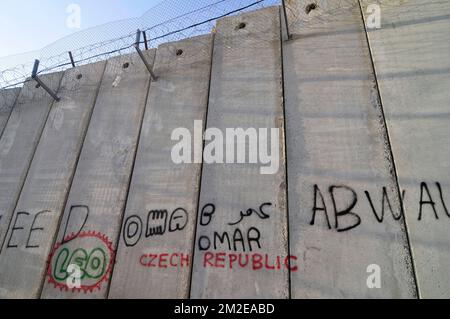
(241, 246)
(260, 213)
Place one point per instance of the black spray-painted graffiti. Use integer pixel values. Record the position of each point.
(30, 225)
(353, 219)
(260, 213)
(424, 189)
(158, 223)
(75, 210)
(237, 240)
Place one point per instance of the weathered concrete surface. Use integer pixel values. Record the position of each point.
(336, 138)
(246, 92)
(7, 100)
(163, 195)
(18, 144)
(336, 142)
(96, 200)
(41, 202)
(411, 56)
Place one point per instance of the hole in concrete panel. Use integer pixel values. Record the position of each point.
(310, 7)
(241, 26)
(79, 76)
(179, 52)
(126, 65)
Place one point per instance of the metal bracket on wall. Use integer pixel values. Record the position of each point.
(35, 77)
(145, 40)
(71, 59)
(138, 49)
(286, 19)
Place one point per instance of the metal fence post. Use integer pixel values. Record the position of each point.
(35, 77)
(136, 46)
(71, 59)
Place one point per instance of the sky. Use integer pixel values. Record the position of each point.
(28, 25)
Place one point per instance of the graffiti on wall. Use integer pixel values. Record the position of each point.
(431, 203)
(241, 247)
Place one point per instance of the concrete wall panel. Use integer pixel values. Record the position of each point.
(8, 98)
(411, 57)
(246, 92)
(18, 143)
(41, 203)
(338, 158)
(163, 195)
(91, 221)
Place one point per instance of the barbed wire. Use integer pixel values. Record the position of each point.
(171, 20)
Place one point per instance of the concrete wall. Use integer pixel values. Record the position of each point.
(163, 195)
(91, 220)
(245, 93)
(411, 57)
(7, 100)
(361, 187)
(18, 144)
(41, 202)
(339, 162)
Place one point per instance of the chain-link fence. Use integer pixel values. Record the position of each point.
(171, 20)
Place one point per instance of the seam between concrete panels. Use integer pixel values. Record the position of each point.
(55, 235)
(391, 153)
(285, 154)
(43, 124)
(189, 289)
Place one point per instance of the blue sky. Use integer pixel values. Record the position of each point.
(27, 25)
